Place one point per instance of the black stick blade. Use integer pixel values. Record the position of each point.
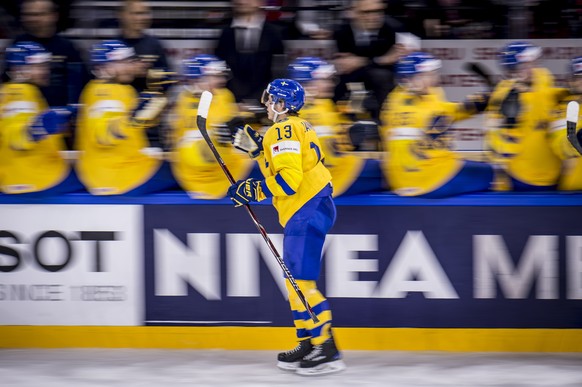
(571, 125)
(482, 72)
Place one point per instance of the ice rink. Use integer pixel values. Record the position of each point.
(99, 367)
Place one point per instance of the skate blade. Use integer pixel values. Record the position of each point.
(323, 369)
(286, 366)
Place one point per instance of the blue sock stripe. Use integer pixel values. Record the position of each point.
(317, 309)
(286, 188)
(298, 315)
(302, 333)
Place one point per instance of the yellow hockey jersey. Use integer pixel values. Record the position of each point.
(292, 165)
(194, 166)
(327, 121)
(111, 161)
(571, 177)
(524, 151)
(419, 157)
(27, 166)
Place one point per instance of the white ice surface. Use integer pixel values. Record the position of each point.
(99, 367)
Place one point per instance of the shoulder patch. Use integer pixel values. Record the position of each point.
(285, 147)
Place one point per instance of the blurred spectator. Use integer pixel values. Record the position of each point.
(572, 14)
(8, 20)
(68, 74)
(465, 19)
(366, 52)
(249, 45)
(299, 18)
(548, 18)
(135, 17)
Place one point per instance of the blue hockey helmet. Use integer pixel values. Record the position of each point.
(576, 66)
(290, 92)
(203, 64)
(110, 51)
(416, 63)
(518, 52)
(26, 53)
(308, 68)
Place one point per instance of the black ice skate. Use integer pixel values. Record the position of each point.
(323, 359)
(289, 360)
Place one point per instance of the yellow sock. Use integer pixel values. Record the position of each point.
(305, 326)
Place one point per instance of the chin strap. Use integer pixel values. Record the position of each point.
(276, 113)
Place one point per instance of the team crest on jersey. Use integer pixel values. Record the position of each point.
(286, 147)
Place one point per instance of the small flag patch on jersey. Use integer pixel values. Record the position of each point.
(286, 147)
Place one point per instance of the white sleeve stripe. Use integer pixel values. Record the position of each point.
(323, 130)
(18, 107)
(189, 137)
(405, 133)
(108, 105)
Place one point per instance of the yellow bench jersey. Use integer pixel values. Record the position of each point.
(27, 166)
(111, 161)
(327, 121)
(571, 177)
(524, 151)
(292, 165)
(419, 158)
(194, 166)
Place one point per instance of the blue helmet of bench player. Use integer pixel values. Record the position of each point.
(204, 64)
(288, 91)
(516, 53)
(26, 53)
(110, 51)
(416, 63)
(576, 66)
(308, 68)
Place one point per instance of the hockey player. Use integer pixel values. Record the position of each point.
(290, 156)
(416, 118)
(30, 134)
(350, 174)
(194, 165)
(571, 176)
(517, 122)
(115, 158)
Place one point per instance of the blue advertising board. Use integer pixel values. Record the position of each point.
(383, 266)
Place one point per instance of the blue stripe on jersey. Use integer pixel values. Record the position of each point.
(286, 188)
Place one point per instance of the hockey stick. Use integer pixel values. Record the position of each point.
(571, 124)
(481, 72)
(203, 108)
